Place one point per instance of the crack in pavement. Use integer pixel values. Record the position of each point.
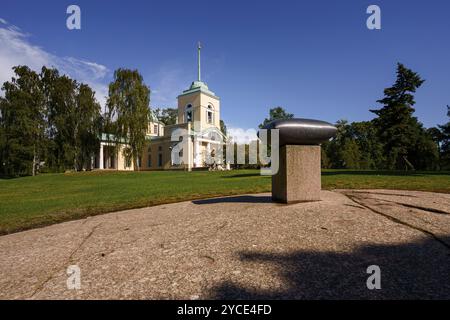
(415, 216)
(433, 210)
(83, 242)
(54, 273)
(386, 194)
(418, 207)
(396, 220)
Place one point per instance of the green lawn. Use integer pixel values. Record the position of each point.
(36, 201)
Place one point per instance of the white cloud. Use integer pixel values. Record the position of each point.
(242, 136)
(16, 49)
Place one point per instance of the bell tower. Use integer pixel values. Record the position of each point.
(198, 104)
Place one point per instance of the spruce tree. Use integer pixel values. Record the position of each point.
(276, 113)
(404, 140)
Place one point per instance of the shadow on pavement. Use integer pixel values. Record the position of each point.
(418, 270)
(235, 199)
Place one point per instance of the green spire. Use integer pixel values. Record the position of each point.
(199, 47)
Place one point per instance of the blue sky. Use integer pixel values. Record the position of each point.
(317, 59)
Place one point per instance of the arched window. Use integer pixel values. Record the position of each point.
(189, 113)
(210, 114)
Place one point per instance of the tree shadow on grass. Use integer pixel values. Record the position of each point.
(242, 175)
(235, 199)
(383, 173)
(329, 172)
(419, 270)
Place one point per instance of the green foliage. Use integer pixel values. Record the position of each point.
(223, 127)
(395, 139)
(88, 127)
(371, 150)
(22, 123)
(48, 123)
(168, 116)
(74, 121)
(354, 147)
(405, 141)
(128, 111)
(62, 118)
(324, 160)
(276, 113)
(351, 155)
(444, 141)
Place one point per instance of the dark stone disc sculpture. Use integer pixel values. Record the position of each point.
(299, 173)
(302, 131)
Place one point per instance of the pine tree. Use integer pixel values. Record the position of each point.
(276, 113)
(404, 140)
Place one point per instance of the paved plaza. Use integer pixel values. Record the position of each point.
(241, 247)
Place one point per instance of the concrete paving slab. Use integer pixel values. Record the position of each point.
(242, 247)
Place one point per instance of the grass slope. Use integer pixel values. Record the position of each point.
(42, 200)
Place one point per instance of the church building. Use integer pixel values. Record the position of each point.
(198, 115)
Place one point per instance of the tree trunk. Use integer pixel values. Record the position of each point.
(136, 167)
(409, 164)
(33, 169)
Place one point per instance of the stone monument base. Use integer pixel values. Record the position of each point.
(298, 177)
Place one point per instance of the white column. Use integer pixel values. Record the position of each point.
(194, 152)
(197, 157)
(100, 164)
(189, 148)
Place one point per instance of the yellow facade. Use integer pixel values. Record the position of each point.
(198, 112)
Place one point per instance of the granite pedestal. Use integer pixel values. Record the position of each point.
(298, 177)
